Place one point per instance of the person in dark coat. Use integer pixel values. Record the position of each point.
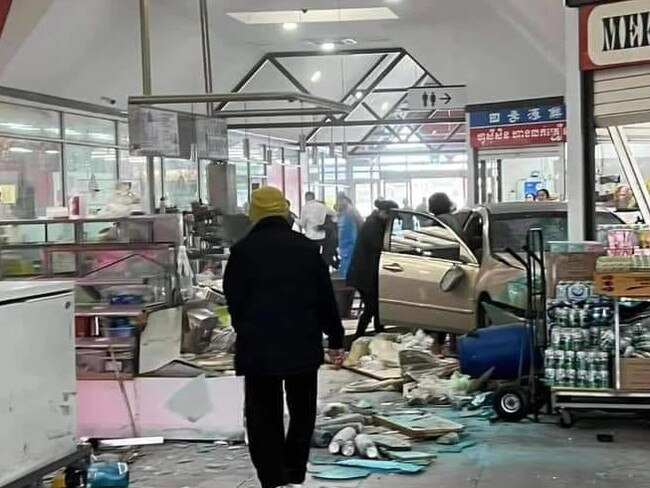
(281, 301)
(363, 273)
(442, 207)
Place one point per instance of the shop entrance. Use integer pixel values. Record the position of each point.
(515, 175)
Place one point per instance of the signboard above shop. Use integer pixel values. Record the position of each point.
(515, 125)
(614, 34)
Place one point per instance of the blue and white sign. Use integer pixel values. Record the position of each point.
(518, 116)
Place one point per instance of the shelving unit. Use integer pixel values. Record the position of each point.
(99, 254)
(617, 285)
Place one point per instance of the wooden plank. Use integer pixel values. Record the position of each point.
(419, 426)
(380, 375)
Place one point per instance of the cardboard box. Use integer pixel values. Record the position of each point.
(635, 374)
(575, 266)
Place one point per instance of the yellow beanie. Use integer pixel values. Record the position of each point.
(268, 201)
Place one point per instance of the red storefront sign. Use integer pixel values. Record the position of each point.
(518, 135)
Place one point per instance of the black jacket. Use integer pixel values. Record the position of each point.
(363, 273)
(281, 301)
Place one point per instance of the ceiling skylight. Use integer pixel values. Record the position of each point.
(314, 15)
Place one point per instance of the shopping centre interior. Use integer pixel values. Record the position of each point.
(136, 137)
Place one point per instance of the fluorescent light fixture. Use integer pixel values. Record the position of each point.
(328, 47)
(384, 106)
(358, 95)
(290, 26)
(18, 149)
(315, 78)
(51, 151)
(314, 15)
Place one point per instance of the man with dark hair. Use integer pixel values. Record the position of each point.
(363, 273)
(281, 301)
(442, 207)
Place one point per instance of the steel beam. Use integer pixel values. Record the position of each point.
(393, 64)
(379, 117)
(247, 77)
(285, 72)
(275, 112)
(352, 90)
(147, 86)
(339, 52)
(206, 54)
(368, 134)
(381, 143)
(239, 97)
(343, 123)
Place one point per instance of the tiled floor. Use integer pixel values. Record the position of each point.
(507, 456)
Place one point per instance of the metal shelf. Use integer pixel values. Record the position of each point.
(100, 343)
(106, 310)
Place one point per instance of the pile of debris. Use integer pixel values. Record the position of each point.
(364, 438)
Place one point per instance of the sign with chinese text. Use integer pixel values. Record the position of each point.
(615, 34)
(533, 125)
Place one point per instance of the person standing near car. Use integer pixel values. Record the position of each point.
(312, 219)
(363, 273)
(281, 301)
(348, 226)
(442, 207)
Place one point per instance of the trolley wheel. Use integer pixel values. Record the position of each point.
(511, 403)
(566, 419)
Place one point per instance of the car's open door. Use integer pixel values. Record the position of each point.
(427, 275)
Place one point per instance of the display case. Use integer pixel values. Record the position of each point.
(123, 268)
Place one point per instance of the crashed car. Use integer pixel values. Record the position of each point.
(434, 279)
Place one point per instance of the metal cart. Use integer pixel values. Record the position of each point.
(516, 400)
(568, 401)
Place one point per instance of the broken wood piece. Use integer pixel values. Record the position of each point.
(421, 426)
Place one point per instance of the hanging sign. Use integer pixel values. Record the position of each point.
(531, 125)
(153, 132)
(212, 138)
(615, 34)
(436, 97)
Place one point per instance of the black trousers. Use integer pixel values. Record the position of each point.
(370, 311)
(278, 458)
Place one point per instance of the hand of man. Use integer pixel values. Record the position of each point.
(337, 356)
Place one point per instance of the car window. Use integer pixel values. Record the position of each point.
(474, 234)
(510, 230)
(417, 234)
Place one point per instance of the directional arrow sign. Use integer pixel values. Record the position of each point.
(436, 97)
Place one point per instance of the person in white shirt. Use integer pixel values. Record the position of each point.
(312, 218)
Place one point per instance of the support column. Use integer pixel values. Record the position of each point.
(576, 163)
(145, 47)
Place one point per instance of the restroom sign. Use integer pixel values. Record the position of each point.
(615, 34)
(437, 97)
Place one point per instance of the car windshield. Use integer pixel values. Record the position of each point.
(509, 230)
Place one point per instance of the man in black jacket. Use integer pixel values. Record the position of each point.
(363, 273)
(281, 301)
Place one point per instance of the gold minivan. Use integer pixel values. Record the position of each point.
(433, 279)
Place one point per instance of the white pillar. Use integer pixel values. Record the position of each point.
(575, 160)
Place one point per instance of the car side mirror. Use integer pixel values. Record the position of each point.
(452, 278)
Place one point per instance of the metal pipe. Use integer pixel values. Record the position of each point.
(205, 50)
(274, 112)
(345, 123)
(145, 48)
(239, 97)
